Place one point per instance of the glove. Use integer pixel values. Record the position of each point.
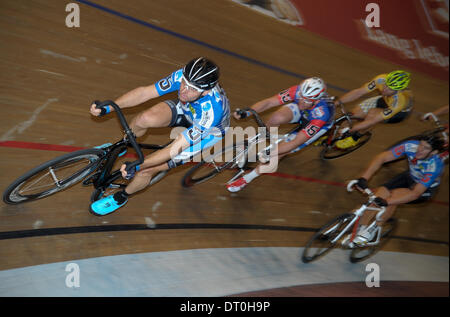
(362, 183)
(380, 202)
(130, 172)
(243, 114)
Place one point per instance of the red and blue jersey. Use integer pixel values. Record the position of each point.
(320, 116)
(428, 171)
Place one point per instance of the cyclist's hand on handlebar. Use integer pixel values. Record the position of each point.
(240, 114)
(360, 184)
(99, 111)
(380, 202)
(128, 173)
(94, 111)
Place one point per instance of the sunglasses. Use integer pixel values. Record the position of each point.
(307, 100)
(190, 86)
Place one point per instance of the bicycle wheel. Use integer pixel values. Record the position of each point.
(227, 158)
(320, 243)
(359, 254)
(52, 176)
(331, 151)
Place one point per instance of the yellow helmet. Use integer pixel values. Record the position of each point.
(398, 80)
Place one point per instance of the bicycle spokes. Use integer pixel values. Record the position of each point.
(53, 177)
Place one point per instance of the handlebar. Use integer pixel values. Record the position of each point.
(437, 122)
(257, 118)
(128, 132)
(433, 116)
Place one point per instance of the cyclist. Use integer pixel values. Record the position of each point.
(202, 107)
(306, 104)
(416, 185)
(392, 106)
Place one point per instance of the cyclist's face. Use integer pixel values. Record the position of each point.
(423, 150)
(188, 93)
(388, 91)
(304, 104)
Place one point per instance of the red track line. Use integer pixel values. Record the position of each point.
(307, 179)
(67, 148)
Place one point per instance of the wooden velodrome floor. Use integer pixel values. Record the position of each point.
(51, 73)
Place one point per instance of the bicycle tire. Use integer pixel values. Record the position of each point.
(330, 152)
(339, 223)
(360, 254)
(194, 177)
(11, 194)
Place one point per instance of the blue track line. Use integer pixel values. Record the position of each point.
(201, 43)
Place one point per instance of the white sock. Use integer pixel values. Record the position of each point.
(251, 176)
(361, 228)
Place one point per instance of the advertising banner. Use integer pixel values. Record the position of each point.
(412, 33)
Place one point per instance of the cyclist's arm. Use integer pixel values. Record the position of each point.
(161, 156)
(137, 96)
(304, 135)
(354, 94)
(408, 196)
(377, 162)
(441, 110)
(283, 97)
(266, 104)
(286, 147)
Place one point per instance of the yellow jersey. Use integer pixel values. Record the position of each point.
(401, 101)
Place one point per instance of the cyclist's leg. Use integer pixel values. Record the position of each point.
(142, 178)
(361, 110)
(287, 114)
(163, 114)
(373, 117)
(400, 192)
(202, 148)
(402, 180)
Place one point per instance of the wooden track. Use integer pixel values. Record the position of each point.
(51, 74)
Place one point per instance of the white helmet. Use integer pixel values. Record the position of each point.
(313, 88)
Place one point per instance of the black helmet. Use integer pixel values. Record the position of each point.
(202, 73)
(435, 141)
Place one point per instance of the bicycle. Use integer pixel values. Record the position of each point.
(330, 151)
(236, 156)
(93, 166)
(328, 236)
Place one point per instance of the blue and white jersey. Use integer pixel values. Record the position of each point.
(427, 172)
(209, 114)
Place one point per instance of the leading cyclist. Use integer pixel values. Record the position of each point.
(392, 106)
(306, 104)
(416, 185)
(202, 107)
